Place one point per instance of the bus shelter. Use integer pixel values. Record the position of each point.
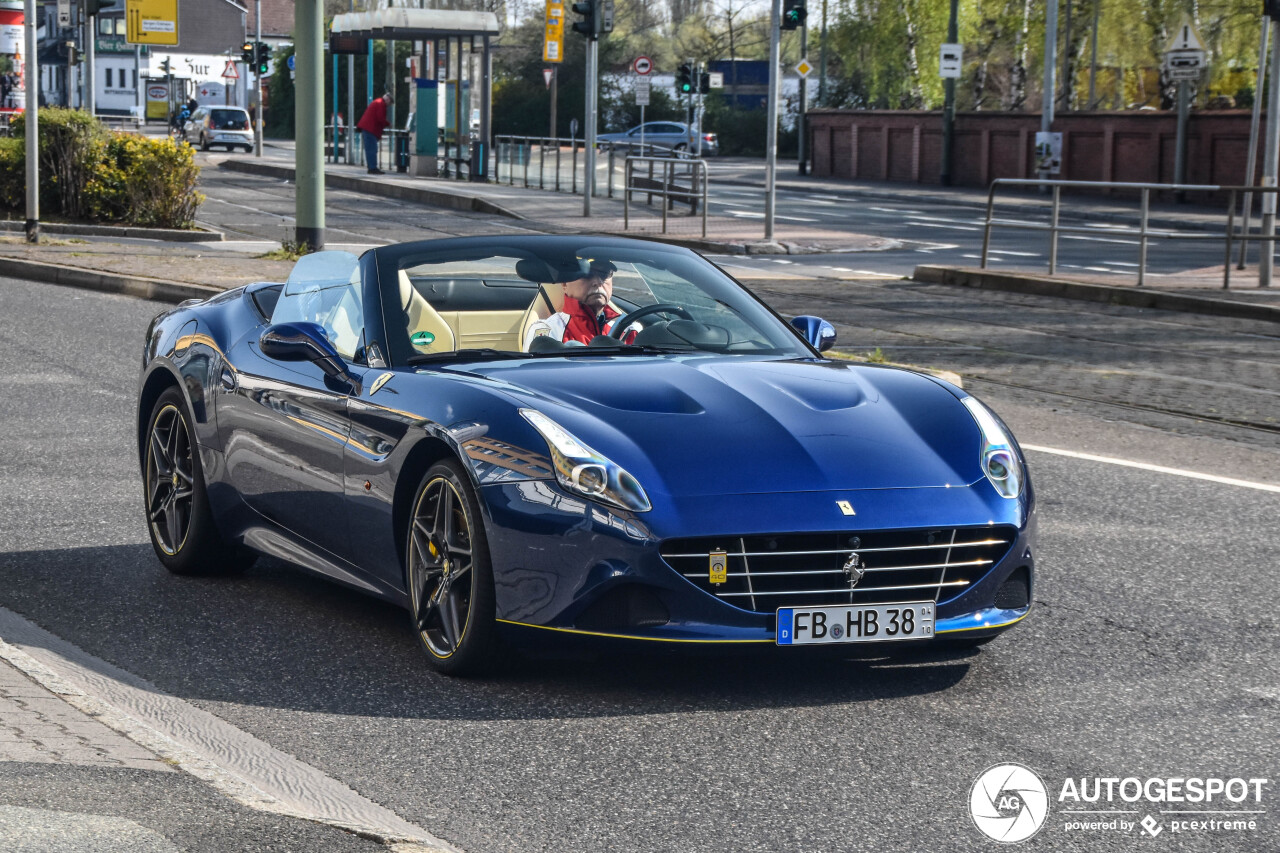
(452, 70)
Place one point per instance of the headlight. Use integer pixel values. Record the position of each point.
(1000, 461)
(581, 470)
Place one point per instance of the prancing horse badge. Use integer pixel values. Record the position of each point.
(846, 507)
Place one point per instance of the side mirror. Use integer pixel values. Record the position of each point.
(304, 342)
(820, 334)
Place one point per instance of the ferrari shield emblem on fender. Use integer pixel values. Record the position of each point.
(719, 571)
(379, 382)
(846, 507)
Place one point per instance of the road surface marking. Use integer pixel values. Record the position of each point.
(940, 225)
(1098, 239)
(233, 761)
(1015, 254)
(1160, 469)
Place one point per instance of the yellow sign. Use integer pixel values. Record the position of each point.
(553, 46)
(719, 569)
(151, 22)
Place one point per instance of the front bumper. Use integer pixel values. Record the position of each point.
(564, 564)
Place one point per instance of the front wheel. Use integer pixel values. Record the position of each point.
(183, 531)
(450, 577)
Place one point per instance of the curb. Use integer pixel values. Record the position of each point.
(1106, 293)
(360, 185)
(144, 288)
(169, 235)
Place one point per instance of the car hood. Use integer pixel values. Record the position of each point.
(695, 426)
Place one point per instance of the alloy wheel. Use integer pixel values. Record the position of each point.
(170, 479)
(441, 567)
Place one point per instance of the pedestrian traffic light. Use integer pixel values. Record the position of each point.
(684, 79)
(793, 14)
(248, 52)
(73, 54)
(589, 26)
(264, 57)
(704, 83)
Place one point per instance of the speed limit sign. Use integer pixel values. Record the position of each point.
(643, 65)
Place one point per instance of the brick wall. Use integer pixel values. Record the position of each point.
(889, 145)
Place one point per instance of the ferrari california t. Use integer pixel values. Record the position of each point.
(445, 425)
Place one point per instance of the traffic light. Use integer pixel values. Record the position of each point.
(264, 57)
(166, 67)
(684, 79)
(73, 54)
(704, 83)
(606, 16)
(1271, 8)
(589, 26)
(247, 52)
(793, 14)
(93, 7)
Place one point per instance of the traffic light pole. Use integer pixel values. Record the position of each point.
(593, 55)
(257, 88)
(771, 140)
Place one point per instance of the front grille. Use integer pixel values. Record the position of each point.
(763, 573)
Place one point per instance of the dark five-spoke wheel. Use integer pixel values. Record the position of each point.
(169, 479)
(183, 530)
(450, 582)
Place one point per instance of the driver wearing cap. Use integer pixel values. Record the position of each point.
(586, 312)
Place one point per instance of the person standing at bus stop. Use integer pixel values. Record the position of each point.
(372, 124)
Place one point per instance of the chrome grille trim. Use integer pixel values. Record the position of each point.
(843, 591)
(767, 571)
(846, 550)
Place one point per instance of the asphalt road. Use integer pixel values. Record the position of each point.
(1152, 649)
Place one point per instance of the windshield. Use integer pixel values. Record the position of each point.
(530, 298)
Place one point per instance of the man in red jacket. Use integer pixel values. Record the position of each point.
(371, 125)
(585, 312)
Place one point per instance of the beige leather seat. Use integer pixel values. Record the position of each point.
(424, 318)
(550, 300)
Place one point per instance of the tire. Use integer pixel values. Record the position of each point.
(204, 142)
(450, 577)
(681, 148)
(183, 532)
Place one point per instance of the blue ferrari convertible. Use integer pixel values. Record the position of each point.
(590, 436)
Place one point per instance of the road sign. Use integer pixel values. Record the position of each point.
(64, 13)
(553, 43)
(642, 92)
(230, 72)
(643, 65)
(803, 68)
(151, 22)
(1185, 38)
(1184, 64)
(950, 60)
(292, 62)
(547, 74)
(1048, 152)
(716, 80)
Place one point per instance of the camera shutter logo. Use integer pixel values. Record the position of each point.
(1009, 803)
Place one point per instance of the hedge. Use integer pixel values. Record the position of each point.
(89, 174)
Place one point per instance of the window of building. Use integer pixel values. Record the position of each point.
(109, 83)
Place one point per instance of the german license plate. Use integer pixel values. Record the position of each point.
(865, 623)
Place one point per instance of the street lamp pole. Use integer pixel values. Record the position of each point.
(771, 138)
(31, 76)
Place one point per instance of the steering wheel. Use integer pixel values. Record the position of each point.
(626, 320)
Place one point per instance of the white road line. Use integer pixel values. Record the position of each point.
(795, 218)
(940, 225)
(1015, 254)
(882, 274)
(1098, 239)
(1160, 469)
(231, 760)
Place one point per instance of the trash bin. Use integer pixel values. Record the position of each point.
(402, 152)
(479, 161)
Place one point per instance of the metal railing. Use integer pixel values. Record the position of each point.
(544, 162)
(665, 188)
(1143, 232)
